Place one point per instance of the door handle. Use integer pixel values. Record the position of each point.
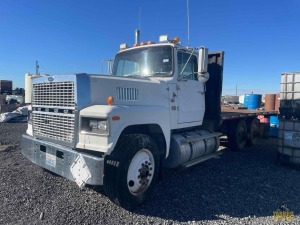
(173, 98)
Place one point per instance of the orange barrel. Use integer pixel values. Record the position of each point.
(277, 102)
(270, 101)
(264, 126)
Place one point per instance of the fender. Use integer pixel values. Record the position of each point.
(128, 115)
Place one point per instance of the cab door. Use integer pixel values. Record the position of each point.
(191, 93)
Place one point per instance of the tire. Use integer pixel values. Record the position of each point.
(253, 132)
(237, 135)
(131, 171)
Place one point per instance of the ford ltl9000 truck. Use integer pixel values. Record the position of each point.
(160, 108)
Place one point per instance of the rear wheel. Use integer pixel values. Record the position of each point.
(253, 132)
(131, 171)
(237, 135)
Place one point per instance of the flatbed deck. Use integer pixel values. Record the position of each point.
(228, 112)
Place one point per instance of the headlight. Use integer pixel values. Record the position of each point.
(98, 124)
(93, 125)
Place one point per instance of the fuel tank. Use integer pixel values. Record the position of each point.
(188, 146)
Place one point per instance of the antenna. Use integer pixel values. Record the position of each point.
(188, 21)
(140, 12)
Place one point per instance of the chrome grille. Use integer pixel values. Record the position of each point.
(131, 94)
(56, 126)
(57, 94)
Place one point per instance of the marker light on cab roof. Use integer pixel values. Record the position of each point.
(164, 38)
(123, 46)
(176, 39)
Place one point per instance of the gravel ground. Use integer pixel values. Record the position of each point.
(239, 188)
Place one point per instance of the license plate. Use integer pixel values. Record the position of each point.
(50, 159)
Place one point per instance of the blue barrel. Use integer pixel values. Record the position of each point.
(274, 124)
(246, 100)
(254, 101)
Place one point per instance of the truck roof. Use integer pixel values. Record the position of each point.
(175, 45)
(147, 45)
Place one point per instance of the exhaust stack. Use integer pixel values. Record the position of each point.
(137, 36)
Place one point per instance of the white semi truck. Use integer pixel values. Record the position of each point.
(160, 108)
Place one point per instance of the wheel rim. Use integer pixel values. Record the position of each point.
(140, 171)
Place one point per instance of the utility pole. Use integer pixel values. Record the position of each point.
(37, 67)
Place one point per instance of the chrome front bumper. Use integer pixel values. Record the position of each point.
(59, 159)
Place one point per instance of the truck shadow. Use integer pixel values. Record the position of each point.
(239, 184)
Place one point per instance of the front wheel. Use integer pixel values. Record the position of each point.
(131, 171)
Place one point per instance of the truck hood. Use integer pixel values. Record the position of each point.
(94, 89)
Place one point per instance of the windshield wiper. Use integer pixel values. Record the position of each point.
(157, 73)
(132, 75)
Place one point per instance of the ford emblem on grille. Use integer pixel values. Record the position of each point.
(50, 79)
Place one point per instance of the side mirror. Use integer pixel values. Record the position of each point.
(203, 75)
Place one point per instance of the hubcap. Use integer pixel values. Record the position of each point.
(140, 171)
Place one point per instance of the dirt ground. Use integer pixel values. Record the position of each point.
(246, 187)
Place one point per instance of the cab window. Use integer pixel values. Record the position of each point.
(189, 72)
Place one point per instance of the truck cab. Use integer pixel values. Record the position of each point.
(178, 68)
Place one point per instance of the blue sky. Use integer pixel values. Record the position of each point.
(260, 37)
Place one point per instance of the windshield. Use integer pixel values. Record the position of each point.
(140, 62)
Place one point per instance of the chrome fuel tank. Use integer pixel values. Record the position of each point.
(189, 146)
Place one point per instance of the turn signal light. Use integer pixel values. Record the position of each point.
(110, 100)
